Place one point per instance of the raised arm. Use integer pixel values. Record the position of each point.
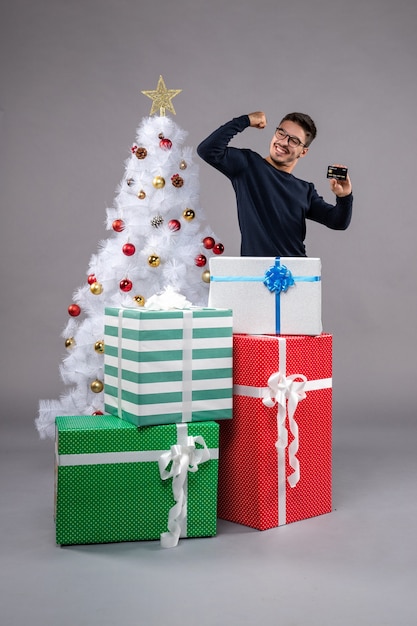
(215, 149)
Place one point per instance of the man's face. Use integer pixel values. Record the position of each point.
(282, 154)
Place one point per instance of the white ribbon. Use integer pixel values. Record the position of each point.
(119, 362)
(167, 300)
(187, 366)
(286, 391)
(183, 457)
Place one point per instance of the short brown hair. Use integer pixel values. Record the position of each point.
(306, 123)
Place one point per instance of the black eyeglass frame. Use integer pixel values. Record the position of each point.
(293, 141)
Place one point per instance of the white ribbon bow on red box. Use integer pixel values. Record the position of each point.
(282, 390)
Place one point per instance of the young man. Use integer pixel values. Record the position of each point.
(272, 204)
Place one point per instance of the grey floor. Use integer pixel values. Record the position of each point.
(355, 566)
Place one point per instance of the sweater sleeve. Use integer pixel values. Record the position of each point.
(215, 149)
(336, 216)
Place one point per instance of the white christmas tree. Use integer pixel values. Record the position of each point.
(159, 239)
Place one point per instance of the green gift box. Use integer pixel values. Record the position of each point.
(165, 367)
(115, 482)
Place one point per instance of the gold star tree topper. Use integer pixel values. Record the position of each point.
(161, 97)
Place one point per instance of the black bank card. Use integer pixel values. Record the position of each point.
(339, 173)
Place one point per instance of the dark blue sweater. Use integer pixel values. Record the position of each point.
(272, 205)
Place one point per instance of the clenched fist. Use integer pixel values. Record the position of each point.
(257, 119)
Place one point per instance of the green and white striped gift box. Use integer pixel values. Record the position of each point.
(165, 367)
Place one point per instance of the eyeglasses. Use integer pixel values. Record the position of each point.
(294, 142)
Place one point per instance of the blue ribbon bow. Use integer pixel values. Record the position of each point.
(278, 278)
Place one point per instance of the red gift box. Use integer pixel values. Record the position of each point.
(275, 463)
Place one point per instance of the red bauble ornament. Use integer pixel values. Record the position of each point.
(218, 248)
(97, 413)
(118, 225)
(200, 260)
(91, 278)
(208, 242)
(165, 144)
(129, 249)
(74, 310)
(125, 285)
(174, 225)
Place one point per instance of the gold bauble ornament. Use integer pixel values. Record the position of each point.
(154, 260)
(99, 346)
(141, 195)
(206, 276)
(96, 289)
(70, 342)
(96, 386)
(140, 300)
(183, 165)
(188, 214)
(158, 182)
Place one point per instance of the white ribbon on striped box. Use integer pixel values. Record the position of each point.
(286, 392)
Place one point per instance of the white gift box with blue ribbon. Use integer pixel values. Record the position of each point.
(268, 295)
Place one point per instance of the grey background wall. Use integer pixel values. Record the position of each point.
(71, 75)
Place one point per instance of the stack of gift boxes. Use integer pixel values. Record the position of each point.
(211, 412)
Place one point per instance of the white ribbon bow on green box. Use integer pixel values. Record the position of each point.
(182, 458)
